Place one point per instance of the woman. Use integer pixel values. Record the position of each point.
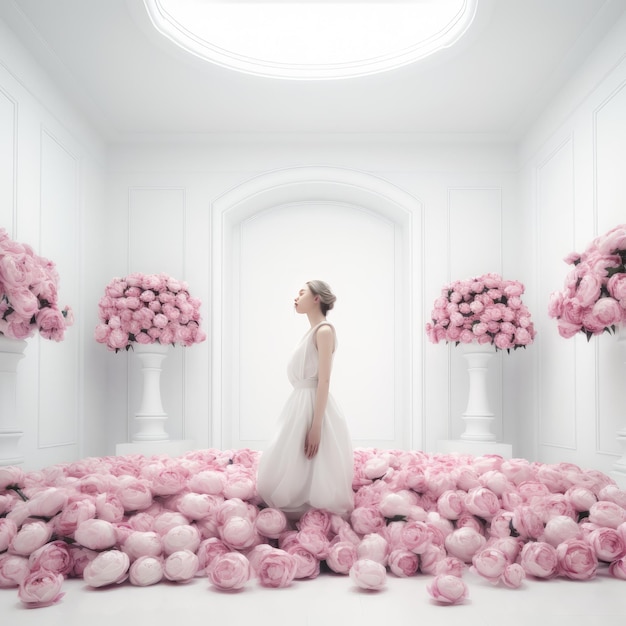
(309, 462)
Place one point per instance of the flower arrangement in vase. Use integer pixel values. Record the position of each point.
(146, 309)
(485, 310)
(593, 300)
(28, 294)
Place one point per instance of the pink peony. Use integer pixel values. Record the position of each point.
(108, 568)
(183, 537)
(374, 547)
(142, 543)
(146, 571)
(341, 556)
(229, 571)
(41, 588)
(463, 543)
(308, 565)
(403, 562)
(8, 530)
(276, 568)
(490, 564)
(607, 544)
(238, 533)
(513, 575)
(576, 560)
(448, 589)
(181, 566)
(96, 534)
(539, 559)
(30, 536)
(13, 570)
(54, 557)
(368, 574)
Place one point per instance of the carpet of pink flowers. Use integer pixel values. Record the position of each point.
(142, 520)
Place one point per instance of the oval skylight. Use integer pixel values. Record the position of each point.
(312, 39)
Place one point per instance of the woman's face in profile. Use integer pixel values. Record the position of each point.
(305, 300)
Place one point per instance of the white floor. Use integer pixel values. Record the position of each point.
(327, 600)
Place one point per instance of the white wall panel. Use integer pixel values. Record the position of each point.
(59, 373)
(555, 236)
(8, 158)
(474, 248)
(156, 243)
(610, 188)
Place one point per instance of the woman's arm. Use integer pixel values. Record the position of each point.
(325, 340)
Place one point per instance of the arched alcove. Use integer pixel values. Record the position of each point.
(271, 234)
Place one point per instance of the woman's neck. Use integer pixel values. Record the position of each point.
(316, 318)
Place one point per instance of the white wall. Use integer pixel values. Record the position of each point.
(51, 189)
(461, 198)
(572, 189)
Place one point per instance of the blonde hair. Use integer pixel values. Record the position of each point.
(326, 296)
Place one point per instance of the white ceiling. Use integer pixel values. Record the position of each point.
(131, 83)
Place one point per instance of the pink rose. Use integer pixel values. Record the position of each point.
(181, 566)
(368, 574)
(276, 568)
(142, 543)
(229, 571)
(509, 546)
(13, 570)
(448, 589)
(431, 558)
(238, 533)
(416, 536)
(41, 588)
(234, 507)
(341, 556)
(449, 565)
(8, 530)
(614, 494)
(616, 286)
(463, 543)
(367, 520)
(54, 556)
(210, 482)
(374, 547)
(67, 521)
(81, 557)
(539, 559)
(576, 559)
(581, 498)
(513, 575)
(167, 520)
(490, 564)
(308, 566)
(560, 529)
(134, 494)
(270, 523)
(209, 549)
(605, 513)
(617, 569)
(196, 506)
(527, 522)
(11, 476)
(588, 290)
(109, 508)
(394, 505)
(96, 534)
(108, 568)
(451, 504)
(184, 537)
(166, 480)
(256, 554)
(482, 502)
(29, 537)
(403, 562)
(314, 540)
(607, 544)
(146, 571)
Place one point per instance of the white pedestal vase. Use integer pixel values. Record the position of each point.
(478, 417)
(619, 468)
(11, 352)
(150, 419)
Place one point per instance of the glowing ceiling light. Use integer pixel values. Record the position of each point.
(312, 39)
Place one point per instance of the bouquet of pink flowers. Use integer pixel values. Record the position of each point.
(148, 308)
(485, 309)
(28, 293)
(594, 298)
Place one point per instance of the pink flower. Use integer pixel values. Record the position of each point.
(314, 540)
(8, 530)
(181, 566)
(341, 556)
(183, 537)
(604, 513)
(451, 504)
(448, 589)
(368, 574)
(308, 565)
(13, 570)
(449, 565)
(270, 523)
(238, 533)
(482, 502)
(416, 536)
(617, 569)
(229, 571)
(463, 543)
(11, 476)
(54, 557)
(108, 568)
(134, 494)
(41, 588)
(374, 547)
(276, 568)
(96, 534)
(513, 575)
(539, 559)
(490, 564)
(143, 543)
(559, 529)
(209, 549)
(30, 536)
(146, 571)
(607, 544)
(403, 562)
(576, 560)
(366, 520)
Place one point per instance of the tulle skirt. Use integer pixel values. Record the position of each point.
(287, 480)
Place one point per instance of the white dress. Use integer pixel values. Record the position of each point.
(286, 479)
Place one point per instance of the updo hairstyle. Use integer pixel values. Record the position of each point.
(326, 296)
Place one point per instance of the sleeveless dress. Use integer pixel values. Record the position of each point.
(286, 479)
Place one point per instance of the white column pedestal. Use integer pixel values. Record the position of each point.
(475, 448)
(150, 448)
